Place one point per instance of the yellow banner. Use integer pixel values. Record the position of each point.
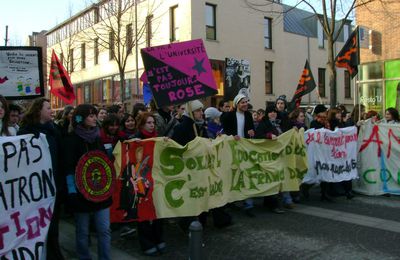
(206, 173)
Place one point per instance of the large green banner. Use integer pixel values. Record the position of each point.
(205, 174)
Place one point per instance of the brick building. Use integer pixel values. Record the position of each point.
(379, 74)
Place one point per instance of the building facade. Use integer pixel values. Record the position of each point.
(275, 45)
(379, 74)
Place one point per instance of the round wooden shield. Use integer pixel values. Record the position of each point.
(95, 176)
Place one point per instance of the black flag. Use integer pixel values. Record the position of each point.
(306, 85)
(349, 56)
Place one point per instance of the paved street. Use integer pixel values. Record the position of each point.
(363, 228)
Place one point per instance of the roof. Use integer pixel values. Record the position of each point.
(298, 21)
(303, 22)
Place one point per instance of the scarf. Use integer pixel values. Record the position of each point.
(89, 135)
(148, 134)
(276, 124)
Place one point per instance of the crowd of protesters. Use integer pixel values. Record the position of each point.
(76, 130)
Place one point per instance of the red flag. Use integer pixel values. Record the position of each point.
(306, 85)
(349, 57)
(59, 81)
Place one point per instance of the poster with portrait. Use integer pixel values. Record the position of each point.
(237, 78)
(21, 74)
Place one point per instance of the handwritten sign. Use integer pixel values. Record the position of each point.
(178, 72)
(27, 194)
(332, 155)
(21, 74)
(379, 150)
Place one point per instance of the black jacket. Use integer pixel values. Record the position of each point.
(53, 137)
(265, 129)
(74, 149)
(229, 123)
(184, 132)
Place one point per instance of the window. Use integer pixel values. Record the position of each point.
(347, 84)
(111, 52)
(71, 60)
(149, 30)
(211, 28)
(129, 39)
(321, 39)
(345, 32)
(96, 51)
(267, 33)
(173, 12)
(268, 77)
(86, 94)
(321, 82)
(83, 56)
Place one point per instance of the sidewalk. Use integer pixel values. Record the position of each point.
(67, 242)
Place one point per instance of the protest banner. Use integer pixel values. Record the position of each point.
(332, 155)
(27, 194)
(204, 174)
(21, 75)
(379, 150)
(178, 72)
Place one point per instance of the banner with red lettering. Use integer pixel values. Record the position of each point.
(332, 155)
(179, 72)
(27, 195)
(379, 153)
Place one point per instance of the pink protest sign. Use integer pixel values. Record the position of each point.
(178, 72)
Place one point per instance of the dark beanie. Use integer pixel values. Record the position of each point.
(319, 109)
(270, 108)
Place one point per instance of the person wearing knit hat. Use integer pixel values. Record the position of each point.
(192, 119)
(212, 113)
(214, 127)
(239, 123)
(320, 108)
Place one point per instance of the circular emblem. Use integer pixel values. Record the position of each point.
(95, 176)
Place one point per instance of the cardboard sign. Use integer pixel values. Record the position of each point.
(21, 75)
(178, 72)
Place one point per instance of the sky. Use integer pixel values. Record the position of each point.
(26, 16)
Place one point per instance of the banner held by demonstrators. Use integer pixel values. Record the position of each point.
(178, 72)
(332, 155)
(59, 81)
(306, 85)
(21, 75)
(349, 56)
(379, 147)
(27, 196)
(204, 174)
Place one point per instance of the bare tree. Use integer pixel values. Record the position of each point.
(332, 11)
(120, 26)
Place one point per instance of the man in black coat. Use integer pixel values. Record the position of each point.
(239, 123)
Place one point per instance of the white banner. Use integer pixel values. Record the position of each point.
(27, 194)
(379, 153)
(332, 155)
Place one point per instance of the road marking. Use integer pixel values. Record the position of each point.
(361, 220)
